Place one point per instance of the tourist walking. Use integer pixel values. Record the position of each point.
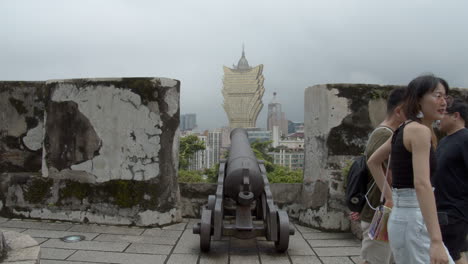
(413, 226)
(373, 251)
(451, 180)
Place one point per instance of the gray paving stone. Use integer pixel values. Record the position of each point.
(19, 230)
(137, 239)
(55, 253)
(86, 245)
(50, 261)
(191, 222)
(274, 259)
(334, 243)
(324, 235)
(179, 226)
(338, 251)
(305, 260)
(36, 225)
(336, 260)
(57, 234)
(214, 258)
(304, 229)
(182, 258)
(298, 246)
(21, 262)
(267, 247)
(163, 233)
(220, 247)
(149, 249)
(3, 219)
(244, 246)
(357, 260)
(118, 230)
(189, 243)
(244, 259)
(40, 240)
(111, 257)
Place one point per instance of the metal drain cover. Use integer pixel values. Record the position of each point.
(72, 239)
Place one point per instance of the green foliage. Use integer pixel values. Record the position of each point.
(260, 150)
(190, 176)
(282, 174)
(189, 145)
(207, 175)
(212, 173)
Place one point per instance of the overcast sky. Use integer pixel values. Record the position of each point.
(300, 44)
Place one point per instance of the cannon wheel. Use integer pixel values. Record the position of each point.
(211, 202)
(205, 230)
(283, 232)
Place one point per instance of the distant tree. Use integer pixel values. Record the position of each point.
(212, 173)
(189, 145)
(260, 150)
(285, 175)
(190, 176)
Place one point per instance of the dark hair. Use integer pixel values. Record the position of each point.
(416, 89)
(395, 98)
(460, 107)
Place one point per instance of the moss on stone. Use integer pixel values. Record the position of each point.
(74, 189)
(126, 193)
(37, 190)
(18, 105)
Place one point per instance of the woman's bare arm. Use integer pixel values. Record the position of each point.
(419, 140)
(374, 163)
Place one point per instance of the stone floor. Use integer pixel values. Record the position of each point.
(177, 244)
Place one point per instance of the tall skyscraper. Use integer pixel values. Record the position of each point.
(188, 122)
(243, 91)
(214, 147)
(276, 117)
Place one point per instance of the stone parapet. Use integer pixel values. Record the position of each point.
(97, 150)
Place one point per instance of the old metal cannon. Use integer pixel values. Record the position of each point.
(243, 205)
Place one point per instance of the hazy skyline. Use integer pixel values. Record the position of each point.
(300, 44)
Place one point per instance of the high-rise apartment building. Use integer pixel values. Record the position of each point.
(214, 147)
(243, 91)
(276, 117)
(199, 159)
(188, 122)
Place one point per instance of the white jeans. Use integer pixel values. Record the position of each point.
(407, 232)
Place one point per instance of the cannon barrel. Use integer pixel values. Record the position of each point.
(243, 174)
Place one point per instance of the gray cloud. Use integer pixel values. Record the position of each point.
(300, 43)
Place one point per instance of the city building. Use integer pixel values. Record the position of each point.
(258, 134)
(276, 117)
(243, 91)
(199, 160)
(293, 159)
(214, 148)
(188, 122)
(295, 126)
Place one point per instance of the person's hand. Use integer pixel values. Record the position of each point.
(438, 253)
(354, 216)
(388, 203)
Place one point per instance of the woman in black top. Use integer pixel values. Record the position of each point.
(413, 227)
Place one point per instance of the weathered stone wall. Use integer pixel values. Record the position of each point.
(98, 150)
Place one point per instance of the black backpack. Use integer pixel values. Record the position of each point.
(356, 187)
